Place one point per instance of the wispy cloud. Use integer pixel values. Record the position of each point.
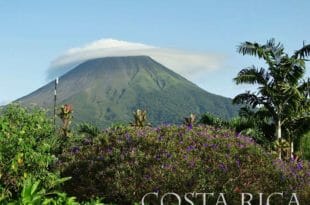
(191, 65)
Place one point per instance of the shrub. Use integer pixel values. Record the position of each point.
(135, 161)
(88, 129)
(27, 144)
(209, 119)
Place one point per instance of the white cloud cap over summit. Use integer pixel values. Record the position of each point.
(110, 44)
(188, 64)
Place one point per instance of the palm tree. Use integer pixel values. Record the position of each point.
(298, 122)
(256, 124)
(280, 87)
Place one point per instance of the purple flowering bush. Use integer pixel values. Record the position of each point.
(122, 164)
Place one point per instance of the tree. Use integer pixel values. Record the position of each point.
(281, 88)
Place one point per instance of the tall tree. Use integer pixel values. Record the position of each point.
(281, 87)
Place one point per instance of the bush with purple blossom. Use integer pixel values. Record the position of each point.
(124, 163)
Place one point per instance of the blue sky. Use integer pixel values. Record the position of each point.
(34, 33)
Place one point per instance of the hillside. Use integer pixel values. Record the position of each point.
(107, 90)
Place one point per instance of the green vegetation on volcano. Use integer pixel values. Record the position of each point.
(107, 90)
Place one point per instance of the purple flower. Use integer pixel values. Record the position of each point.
(238, 162)
(222, 167)
(109, 150)
(282, 178)
(192, 164)
(190, 127)
(190, 148)
(168, 155)
(128, 137)
(214, 146)
(299, 166)
(75, 150)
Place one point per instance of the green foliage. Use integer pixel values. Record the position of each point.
(88, 129)
(305, 146)
(34, 194)
(245, 124)
(255, 124)
(210, 119)
(135, 161)
(122, 163)
(27, 147)
(93, 202)
(281, 91)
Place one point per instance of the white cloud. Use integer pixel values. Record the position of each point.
(192, 65)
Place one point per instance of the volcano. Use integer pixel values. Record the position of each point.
(107, 90)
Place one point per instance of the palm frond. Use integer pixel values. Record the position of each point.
(263, 114)
(305, 88)
(303, 52)
(252, 75)
(297, 71)
(271, 43)
(247, 98)
(269, 52)
(275, 48)
(248, 48)
(246, 112)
